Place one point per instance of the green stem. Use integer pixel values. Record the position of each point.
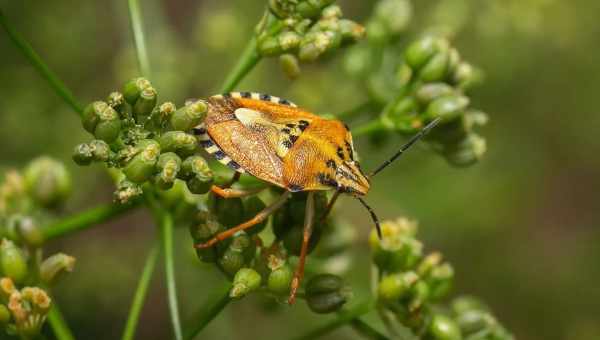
(59, 87)
(343, 318)
(373, 126)
(206, 314)
(166, 226)
(367, 330)
(245, 64)
(84, 220)
(140, 294)
(138, 37)
(58, 324)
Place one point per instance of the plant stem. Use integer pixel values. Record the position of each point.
(368, 128)
(84, 220)
(138, 37)
(140, 294)
(244, 65)
(166, 226)
(343, 318)
(58, 324)
(59, 87)
(206, 314)
(366, 330)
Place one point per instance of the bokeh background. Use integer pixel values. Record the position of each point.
(520, 227)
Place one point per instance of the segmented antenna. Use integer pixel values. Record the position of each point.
(406, 146)
(373, 216)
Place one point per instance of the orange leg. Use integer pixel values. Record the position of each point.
(231, 193)
(261, 216)
(308, 226)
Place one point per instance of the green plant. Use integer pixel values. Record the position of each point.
(148, 147)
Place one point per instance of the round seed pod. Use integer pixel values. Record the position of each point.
(252, 206)
(198, 176)
(109, 124)
(245, 281)
(100, 150)
(178, 141)
(13, 261)
(143, 165)
(393, 287)
(133, 88)
(442, 327)
(82, 154)
(325, 293)
(168, 167)
(280, 279)
(47, 181)
(419, 52)
(448, 108)
(436, 68)
(188, 116)
(145, 104)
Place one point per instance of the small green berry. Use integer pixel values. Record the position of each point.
(245, 281)
(13, 261)
(442, 327)
(47, 181)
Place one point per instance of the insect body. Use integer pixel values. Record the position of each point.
(274, 140)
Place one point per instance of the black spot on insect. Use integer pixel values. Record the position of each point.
(291, 126)
(284, 102)
(302, 127)
(245, 94)
(219, 155)
(287, 144)
(227, 95)
(199, 131)
(265, 97)
(331, 164)
(295, 187)
(293, 138)
(303, 122)
(347, 127)
(340, 153)
(347, 189)
(206, 143)
(286, 131)
(326, 180)
(233, 165)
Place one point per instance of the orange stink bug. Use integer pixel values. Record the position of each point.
(277, 142)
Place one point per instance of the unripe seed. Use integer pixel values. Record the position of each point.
(100, 150)
(252, 206)
(168, 167)
(179, 142)
(396, 286)
(13, 261)
(289, 65)
(325, 293)
(142, 166)
(447, 108)
(133, 89)
(420, 51)
(47, 181)
(145, 104)
(188, 116)
(436, 67)
(245, 281)
(442, 327)
(55, 267)
(280, 279)
(82, 154)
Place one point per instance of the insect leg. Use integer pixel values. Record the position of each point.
(230, 193)
(309, 216)
(261, 216)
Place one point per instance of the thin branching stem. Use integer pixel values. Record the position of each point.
(207, 313)
(166, 228)
(138, 37)
(342, 319)
(140, 294)
(244, 65)
(84, 220)
(366, 330)
(58, 324)
(59, 87)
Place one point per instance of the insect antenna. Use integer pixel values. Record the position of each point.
(373, 216)
(406, 146)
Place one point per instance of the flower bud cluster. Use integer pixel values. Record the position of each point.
(411, 285)
(303, 31)
(22, 311)
(148, 143)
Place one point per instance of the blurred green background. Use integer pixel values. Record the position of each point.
(520, 227)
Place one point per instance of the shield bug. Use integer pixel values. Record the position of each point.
(277, 142)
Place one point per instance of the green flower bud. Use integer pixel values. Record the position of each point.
(312, 8)
(289, 65)
(229, 211)
(331, 12)
(47, 181)
(4, 315)
(280, 279)
(473, 321)
(198, 176)
(252, 206)
(398, 249)
(55, 267)
(231, 261)
(429, 92)
(179, 142)
(188, 116)
(394, 15)
(402, 117)
(465, 76)
(168, 167)
(288, 40)
(100, 150)
(467, 303)
(440, 281)
(102, 120)
(142, 166)
(82, 154)
(466, 152)
(419, 52)
(269, 46)
(126, 191)
(145, 104)
(281, 8)
(436, 67)
(396, 286)
(245, 281)
(326, 293)
(442, 327)
(13, 261)
(447, 107)
(315, 43)
(115, 99)
(29, 231)
(133, 89)
(419, 294)
(204, 229)
(429, 263)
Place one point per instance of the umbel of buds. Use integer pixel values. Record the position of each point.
(147, 142)
(304, 31)
(23, 311)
